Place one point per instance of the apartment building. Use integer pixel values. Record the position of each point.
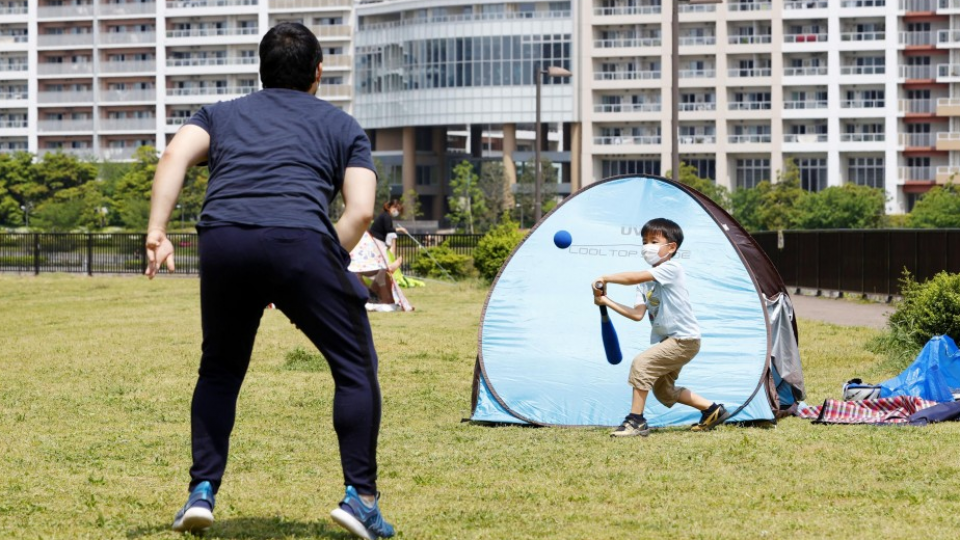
(99, 78)
(852, 90)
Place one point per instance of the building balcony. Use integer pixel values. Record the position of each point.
(749, 106)
(335, 91)
(13, 124)
(626, 75)
(864, 70)
(625, 11)
(13, 99)
(81, 11)
(84, 69)
(195, 4)
(698, 41)
(698, 73)
(7, 11)
(128, 96)
(129, 9)
(735, 6)
(853, 4)
(64, 126)
(948, 174)
(627, 108)
(696, 107)
(917, 174)
(222, 61)
(804, 5)
(83, 152)
(947, 141)
(917, 106)
(128, 124)
(628, 140)
(309, 4)
(948, 107)
(213, 32)
(947, 7)
(805, 71)
(128, 38)
(749, 72)
(211, 91)
(762, 39)
(176, 121)
(918, 39)
(804, 138)
(20, 67)
(697, 139)
(947, 73)
(754, 138)
(805, 104)
(862, 36)
(125, 153)
(862, 104)
(332, 31)
(627, 43)
(862, 137)
(63, 98)
(948, 38)
(336, 61)
(697, 8)
(805, 38)
(918, 6)
(923, 73)
(917, 141)
(65, 40)
(138, 66)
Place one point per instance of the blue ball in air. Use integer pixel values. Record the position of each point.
(562, 239)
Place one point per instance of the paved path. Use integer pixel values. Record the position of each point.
(840, 311)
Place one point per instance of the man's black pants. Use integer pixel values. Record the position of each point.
(304, 273)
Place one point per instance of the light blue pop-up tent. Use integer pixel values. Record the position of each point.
(541, 359)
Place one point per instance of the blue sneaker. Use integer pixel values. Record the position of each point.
(362, 520)
(197, 514)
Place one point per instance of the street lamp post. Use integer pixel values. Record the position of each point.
(26, 214)
(103, 216)
(538, 73)
(675, 84)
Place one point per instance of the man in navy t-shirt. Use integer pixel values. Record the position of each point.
(277, 158)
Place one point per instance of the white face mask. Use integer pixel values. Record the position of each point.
(394, 213)
(651, 253)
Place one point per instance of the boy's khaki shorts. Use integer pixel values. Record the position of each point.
(658, 367)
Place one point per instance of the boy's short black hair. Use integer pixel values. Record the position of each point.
(669, 229)
(289, 54)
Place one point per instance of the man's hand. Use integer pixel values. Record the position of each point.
(601, 300)
(159, 250)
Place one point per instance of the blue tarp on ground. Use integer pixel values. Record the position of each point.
(934, 375)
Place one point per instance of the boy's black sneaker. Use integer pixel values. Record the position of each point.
(632, 427)
(715, 415)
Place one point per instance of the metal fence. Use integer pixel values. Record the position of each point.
(124, 253)
(860, 261)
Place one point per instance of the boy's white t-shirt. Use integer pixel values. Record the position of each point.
(668, 303)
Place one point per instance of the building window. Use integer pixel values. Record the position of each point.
(424, 175)
(706, 168)
(620, 167)
(866, 171)
(813, 173)
(751, 172)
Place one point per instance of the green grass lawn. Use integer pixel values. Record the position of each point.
(96, 376)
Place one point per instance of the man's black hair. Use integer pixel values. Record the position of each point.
(669, 229)
(289, 54)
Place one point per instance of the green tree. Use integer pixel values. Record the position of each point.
(466, 197)
(19, 176)
(384, 181)
(411, 205)
(192, 195)
(780, 206)
(58, 215)
(937, 208)
(493, 184)
(525, 193)
(842, 207)
(58, 171)
(746, 203)
(132, 194)
(713, 191)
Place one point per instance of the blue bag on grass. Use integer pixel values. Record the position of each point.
(934, 375)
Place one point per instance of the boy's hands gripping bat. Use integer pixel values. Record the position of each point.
(611, 345)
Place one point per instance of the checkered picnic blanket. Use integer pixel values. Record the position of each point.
(892, 410)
